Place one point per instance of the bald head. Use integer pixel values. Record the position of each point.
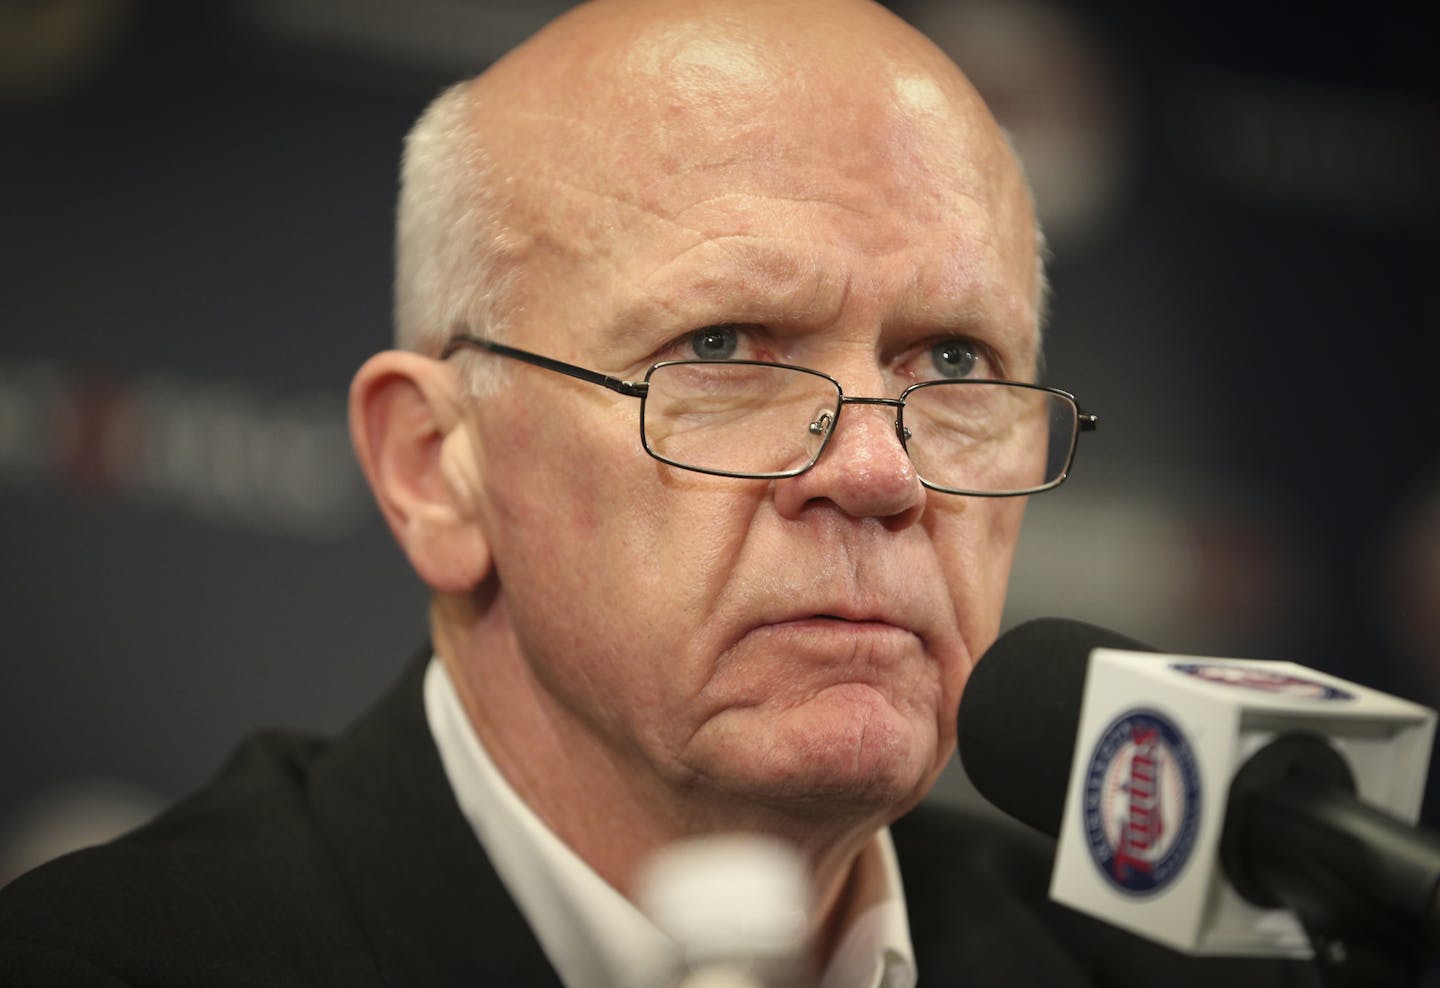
(638, 69)
(625, 110)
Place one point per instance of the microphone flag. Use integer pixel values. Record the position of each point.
(1161, 737)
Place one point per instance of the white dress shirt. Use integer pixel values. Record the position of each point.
(594, 936)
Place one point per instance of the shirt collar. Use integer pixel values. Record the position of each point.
(593, 935)
(875, 949)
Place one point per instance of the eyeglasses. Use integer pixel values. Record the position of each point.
(764, 421)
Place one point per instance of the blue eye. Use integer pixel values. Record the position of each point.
(954, 358)
(715, 342)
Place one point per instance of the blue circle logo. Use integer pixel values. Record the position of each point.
(1142, 802)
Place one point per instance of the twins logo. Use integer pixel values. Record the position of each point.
(1142, 802)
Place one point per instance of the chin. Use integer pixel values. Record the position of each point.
(847, 750)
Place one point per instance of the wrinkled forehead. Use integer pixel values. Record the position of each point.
(646, 113)
(715, 130)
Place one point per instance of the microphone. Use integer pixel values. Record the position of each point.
(1213, 805)
(737, 905)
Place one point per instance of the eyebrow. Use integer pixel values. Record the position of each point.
(759, 282)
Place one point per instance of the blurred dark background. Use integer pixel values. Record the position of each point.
(196, 202)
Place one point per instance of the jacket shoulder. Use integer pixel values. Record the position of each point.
(215, 890)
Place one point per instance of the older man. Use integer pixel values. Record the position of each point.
(695, 434)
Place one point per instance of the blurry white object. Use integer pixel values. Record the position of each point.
(737, 904)
(68, 816)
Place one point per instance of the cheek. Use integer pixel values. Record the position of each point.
(539, 464)
(610, 561)
(977, 549)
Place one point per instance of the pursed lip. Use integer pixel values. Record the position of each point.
(840, 617)
(856, 647)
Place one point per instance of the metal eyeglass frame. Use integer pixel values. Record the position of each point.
(1085, 421)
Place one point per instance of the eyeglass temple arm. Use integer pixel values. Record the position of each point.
(635, 389)
(1088, 421)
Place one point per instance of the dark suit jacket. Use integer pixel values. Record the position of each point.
(349, 863)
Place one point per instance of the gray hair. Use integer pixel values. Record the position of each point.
(1043, 256)
(451, 243)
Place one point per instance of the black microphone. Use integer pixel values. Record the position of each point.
(1294, 833)
(1020, 711)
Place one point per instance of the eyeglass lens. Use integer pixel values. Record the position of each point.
(747, 419)
(768, 421)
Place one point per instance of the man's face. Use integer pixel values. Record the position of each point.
(798, 642)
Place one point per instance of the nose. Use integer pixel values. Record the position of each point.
(863, 470)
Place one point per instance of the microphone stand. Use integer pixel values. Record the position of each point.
(1363, 884)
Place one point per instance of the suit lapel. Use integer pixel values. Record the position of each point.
(425, 893)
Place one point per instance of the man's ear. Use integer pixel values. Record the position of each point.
(407, 425)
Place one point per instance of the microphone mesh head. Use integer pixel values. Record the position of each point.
(738, 900)
(1020, 712)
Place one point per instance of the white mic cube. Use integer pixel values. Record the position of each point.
(1161, 737)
